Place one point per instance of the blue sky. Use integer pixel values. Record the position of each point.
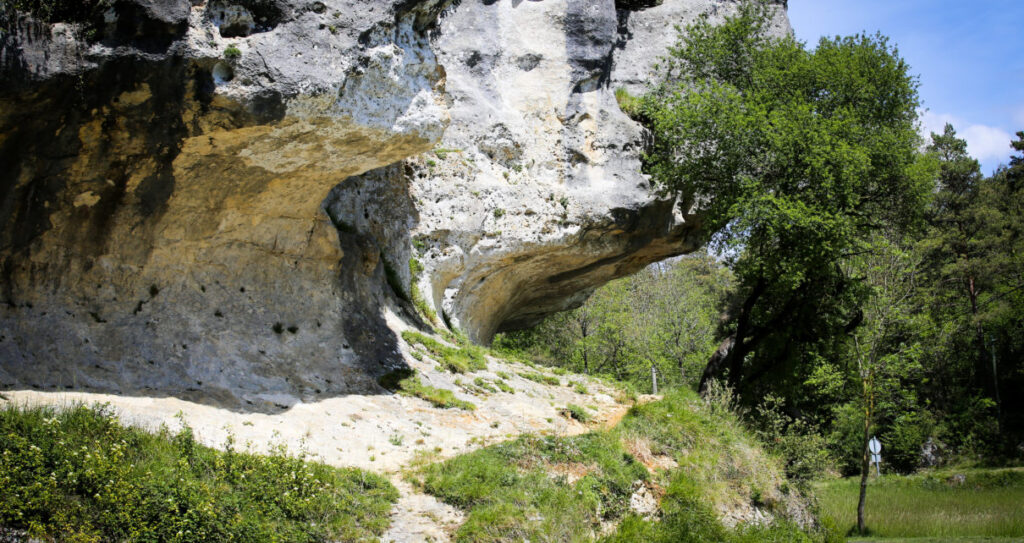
(969, 56)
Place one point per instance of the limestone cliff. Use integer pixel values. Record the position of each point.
(220, 200)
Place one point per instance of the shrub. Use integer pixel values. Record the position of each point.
(231, 52)
(803, 450)
(79, 475)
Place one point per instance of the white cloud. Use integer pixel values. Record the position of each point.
(985, 143)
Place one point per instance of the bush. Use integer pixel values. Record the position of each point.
(79, 475)
(804, 451)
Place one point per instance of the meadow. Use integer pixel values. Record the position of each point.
(948, 505)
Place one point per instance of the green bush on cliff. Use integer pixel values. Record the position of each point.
(79, 475)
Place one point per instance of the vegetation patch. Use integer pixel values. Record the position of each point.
(484, 384)
(540, 378)
(718, 467)
(577, 412)
(511, 495)
(407, 382)
(528, 488)
(418, 301)
(79, 475)
(943, 504)
(453, 359)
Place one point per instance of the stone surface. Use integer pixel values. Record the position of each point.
(220, 201)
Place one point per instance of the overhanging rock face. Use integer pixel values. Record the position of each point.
(219, 200)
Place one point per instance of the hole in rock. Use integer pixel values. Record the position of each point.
(222, 73)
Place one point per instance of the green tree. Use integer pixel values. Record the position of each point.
(665, 317)
(794, 158)
(884, 353)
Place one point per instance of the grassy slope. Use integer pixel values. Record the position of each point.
(573, 488)
(990, 503)
(79, 475)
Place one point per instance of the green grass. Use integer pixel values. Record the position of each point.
(484, 384)
(540, 378)
(990, 503)
(516, 491)
(418, 301)
(628, 103)
(79, 475)
(454, 359)
(580, 388)
(408, 383)
(719, 462)
(577, 412)
(504, 387)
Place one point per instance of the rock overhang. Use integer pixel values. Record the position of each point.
(175, 237)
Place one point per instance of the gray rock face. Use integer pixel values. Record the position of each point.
(227, 200)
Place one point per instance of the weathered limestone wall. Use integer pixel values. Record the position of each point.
(177, 222)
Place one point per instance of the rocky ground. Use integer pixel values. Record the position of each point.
(383, 432)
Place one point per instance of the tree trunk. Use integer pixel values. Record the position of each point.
(991, 385)
(867, 384)
(717, 363)
(865, 467)
(733, 349)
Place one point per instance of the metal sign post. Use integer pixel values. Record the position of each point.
(875, 448)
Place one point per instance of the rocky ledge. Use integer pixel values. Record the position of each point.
(237, 201)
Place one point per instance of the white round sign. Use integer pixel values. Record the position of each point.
(874, 446)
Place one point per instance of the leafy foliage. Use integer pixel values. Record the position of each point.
(795, 158)
(665, 316)
(79, 475)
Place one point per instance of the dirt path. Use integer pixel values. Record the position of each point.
(418, 517)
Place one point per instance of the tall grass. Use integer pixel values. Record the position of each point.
(984, 503)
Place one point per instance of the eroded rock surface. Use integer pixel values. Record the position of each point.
(220, 200)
